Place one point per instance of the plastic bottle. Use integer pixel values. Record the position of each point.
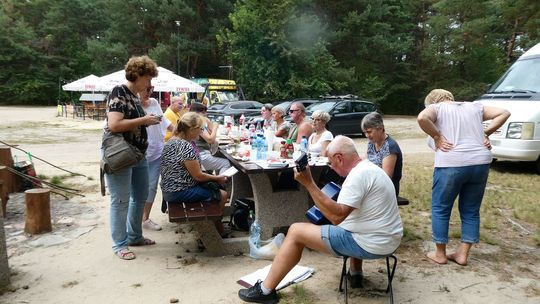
(254, 231)
(289, 148)
(264, 148)
(304, 144)
(242, 120)
(283, 149)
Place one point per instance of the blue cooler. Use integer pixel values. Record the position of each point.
(315, 215)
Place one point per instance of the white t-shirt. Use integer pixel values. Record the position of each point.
(375, 222)
(461, 124)
(316, 147)
(156, 133)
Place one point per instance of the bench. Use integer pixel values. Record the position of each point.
(202, 215)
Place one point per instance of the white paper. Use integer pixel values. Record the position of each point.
(297, 274)
(230, 172)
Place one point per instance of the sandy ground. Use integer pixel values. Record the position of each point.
(82, 269)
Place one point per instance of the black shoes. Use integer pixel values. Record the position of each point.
(355, 280)
(255, 295)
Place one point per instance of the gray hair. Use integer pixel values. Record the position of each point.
(341, 144)
(373, 120)
(279, 109)
(322, 115)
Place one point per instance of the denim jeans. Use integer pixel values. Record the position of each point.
(129, 189)
(469, 183)
(153, 178)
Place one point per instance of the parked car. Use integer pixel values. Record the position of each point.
(286, 105)
(234, 108)
(346, 113)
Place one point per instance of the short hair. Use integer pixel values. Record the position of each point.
(198, 107)
(268, 106)
(438, 95)
(342, 144)
(372, 120)
(138, 66)
(187, 121)
(279, 109)
(299, 105)
(176, 98)
(322, 115)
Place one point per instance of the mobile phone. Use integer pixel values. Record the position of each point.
(301, 162)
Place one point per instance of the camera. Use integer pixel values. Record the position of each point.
(301, 161)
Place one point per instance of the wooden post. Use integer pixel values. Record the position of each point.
(4, 196)
(7, 178)
(38, 212)
(5, 274)
(10, 179)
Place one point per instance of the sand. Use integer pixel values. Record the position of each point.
(81, 268)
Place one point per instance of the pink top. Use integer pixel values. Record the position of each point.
(461, 124)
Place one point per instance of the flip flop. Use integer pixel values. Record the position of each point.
(125, 254)
(143, 242)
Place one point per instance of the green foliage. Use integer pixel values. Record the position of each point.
(391, 52)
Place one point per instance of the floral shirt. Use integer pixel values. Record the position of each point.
(121, 99)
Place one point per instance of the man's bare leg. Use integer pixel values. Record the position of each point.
(300, 235)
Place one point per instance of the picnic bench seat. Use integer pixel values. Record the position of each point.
(202, 215)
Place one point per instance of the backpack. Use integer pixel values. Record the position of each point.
(240, 215)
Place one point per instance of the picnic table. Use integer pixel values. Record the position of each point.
(279, 200)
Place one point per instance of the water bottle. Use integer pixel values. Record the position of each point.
(264, 148)
(254, 231)
(304, 144)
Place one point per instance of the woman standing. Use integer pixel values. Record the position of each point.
(156, 141)
(382, 149)
(281, 126)
(129, 186)
(181, 175)
(321, 137)
(462, 158)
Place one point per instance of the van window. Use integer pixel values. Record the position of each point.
(524, 75)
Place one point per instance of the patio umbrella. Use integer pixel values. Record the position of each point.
(166, 81)
(88, 83)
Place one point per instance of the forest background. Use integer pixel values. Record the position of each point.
(388, 51)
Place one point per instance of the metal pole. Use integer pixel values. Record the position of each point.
(177, 47)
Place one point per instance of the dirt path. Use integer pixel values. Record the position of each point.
(81, 268)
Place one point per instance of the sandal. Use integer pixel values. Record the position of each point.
(125, 254)
(143, 242)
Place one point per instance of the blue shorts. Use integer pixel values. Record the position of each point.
(190, 195)
(340, 242)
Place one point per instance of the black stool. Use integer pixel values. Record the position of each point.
(388, 272)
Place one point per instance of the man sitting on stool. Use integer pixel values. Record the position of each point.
(365, 218)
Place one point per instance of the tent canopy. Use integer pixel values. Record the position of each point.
(166, 81)
(92, 97)
(88, 84)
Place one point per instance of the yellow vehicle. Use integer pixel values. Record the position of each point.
(219, 90)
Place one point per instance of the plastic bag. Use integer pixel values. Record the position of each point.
(268, 249)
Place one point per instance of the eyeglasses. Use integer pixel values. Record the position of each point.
(329, 163)
(292, 111)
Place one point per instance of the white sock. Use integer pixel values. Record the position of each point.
(265, 290)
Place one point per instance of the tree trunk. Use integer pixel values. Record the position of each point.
(38, 212)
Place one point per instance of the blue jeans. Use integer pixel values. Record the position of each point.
(190, 195)
(153, 178)
(469, 183)
(129, 190)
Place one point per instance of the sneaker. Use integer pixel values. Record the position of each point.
(355, 280)
(255, 295)
(150, 225)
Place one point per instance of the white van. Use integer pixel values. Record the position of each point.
(518, 91)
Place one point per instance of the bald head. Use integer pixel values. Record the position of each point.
(342, 144)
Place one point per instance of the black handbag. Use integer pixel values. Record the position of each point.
(118, 153)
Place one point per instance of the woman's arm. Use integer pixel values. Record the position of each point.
(117, 123)
(497, 116)
(389, 163)
(210, 132)
(195, 171)
(324, 145)
(281, 130)
(426, 120)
